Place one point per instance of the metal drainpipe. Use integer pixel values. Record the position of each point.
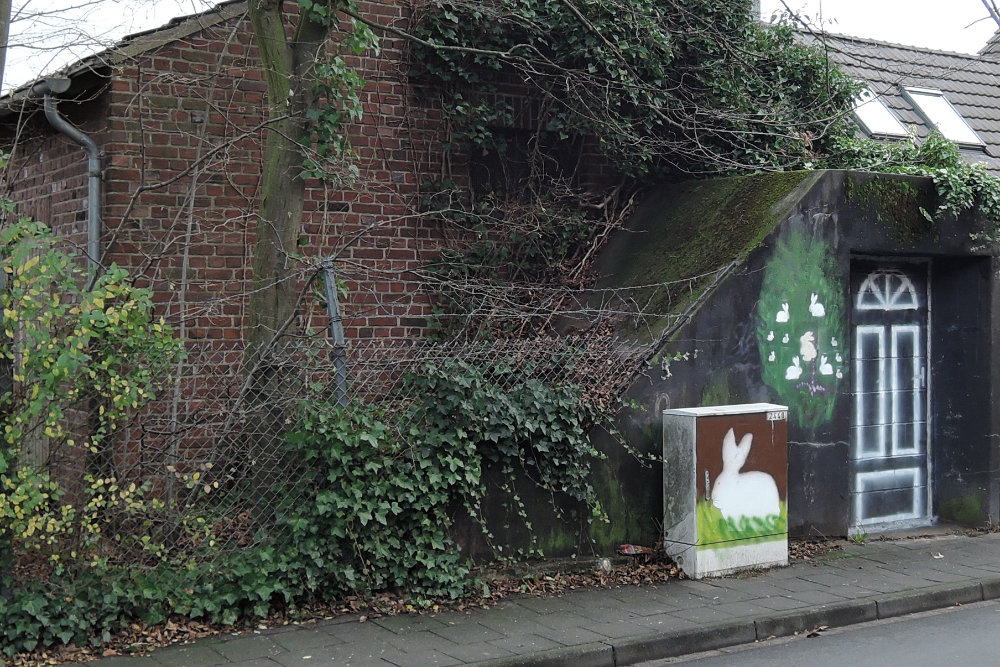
(49, 88)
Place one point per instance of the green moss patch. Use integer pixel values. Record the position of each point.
(897, 203)
(967, 511)
(684, 231)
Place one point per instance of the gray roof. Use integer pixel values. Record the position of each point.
(970, 82)
(92, 70)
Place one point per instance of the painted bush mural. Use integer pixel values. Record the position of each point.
(800, 329)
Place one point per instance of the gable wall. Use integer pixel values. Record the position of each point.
(188, 119)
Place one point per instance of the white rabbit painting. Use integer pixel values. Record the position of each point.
(736, 494)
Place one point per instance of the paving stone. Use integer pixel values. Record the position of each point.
(395, 656)
(648, 607)
(466, 632)
(559, 621)
(546, 606)
(617, 629)
(305, 639)
(408, 623)
(607, 613)
(573, 636)
(707, 615)
(477, 652)
(317, 655)
(424, 640)
(830, 579)
(781, 603)
(190, 656)
(526, 643)
(798, 584)
(747, 610)
(742, 591)
(666, 623)
(249, 648)
(818, 597)
(407, 659)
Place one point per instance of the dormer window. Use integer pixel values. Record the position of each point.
(938, 111)
(875, 117)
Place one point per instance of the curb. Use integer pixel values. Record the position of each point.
(670, 644)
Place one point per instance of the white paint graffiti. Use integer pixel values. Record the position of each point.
(887, 290)
(738, 494)
(889, 453)
(816, 309)
(782, 315)
(807, 346)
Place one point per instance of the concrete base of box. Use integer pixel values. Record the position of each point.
(727, 557)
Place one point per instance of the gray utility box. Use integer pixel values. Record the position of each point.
(725, 487)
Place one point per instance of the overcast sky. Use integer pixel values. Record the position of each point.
(948, 25)
(49, 34)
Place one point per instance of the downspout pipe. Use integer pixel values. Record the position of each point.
(48, 89)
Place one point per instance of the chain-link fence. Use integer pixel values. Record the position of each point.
(207, 461)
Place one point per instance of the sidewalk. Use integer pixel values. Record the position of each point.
(625, 625)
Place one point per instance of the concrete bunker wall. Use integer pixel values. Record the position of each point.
(782, 328)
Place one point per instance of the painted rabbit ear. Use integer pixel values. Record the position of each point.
(744, 447)
(729, 450)
(813, 297)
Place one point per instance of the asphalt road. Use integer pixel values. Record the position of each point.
(963, 636)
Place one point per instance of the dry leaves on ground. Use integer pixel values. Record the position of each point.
(502, 583)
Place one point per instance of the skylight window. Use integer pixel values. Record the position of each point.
(935, 107)
(875, 116)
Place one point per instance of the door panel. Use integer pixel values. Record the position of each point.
(889, 450)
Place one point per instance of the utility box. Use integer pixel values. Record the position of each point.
(725, 487)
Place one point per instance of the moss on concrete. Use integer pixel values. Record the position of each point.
(717, 392)
(682, 232)
(967, 511)
(897, 204)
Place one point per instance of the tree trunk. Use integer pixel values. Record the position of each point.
(288, 67)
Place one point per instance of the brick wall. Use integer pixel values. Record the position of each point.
(181, 132)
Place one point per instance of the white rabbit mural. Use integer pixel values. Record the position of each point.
(825, 367)
(782, 315)
(816, 309)
(736, 494)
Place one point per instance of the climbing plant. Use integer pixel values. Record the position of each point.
(960, 185)
(565, 108)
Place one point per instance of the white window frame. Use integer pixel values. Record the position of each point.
(875, 118)
(945, 118)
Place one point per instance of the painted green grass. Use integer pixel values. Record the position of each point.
(713, 527)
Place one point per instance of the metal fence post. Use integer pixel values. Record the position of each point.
(336, 331)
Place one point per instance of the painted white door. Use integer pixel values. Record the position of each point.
(889, 449)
